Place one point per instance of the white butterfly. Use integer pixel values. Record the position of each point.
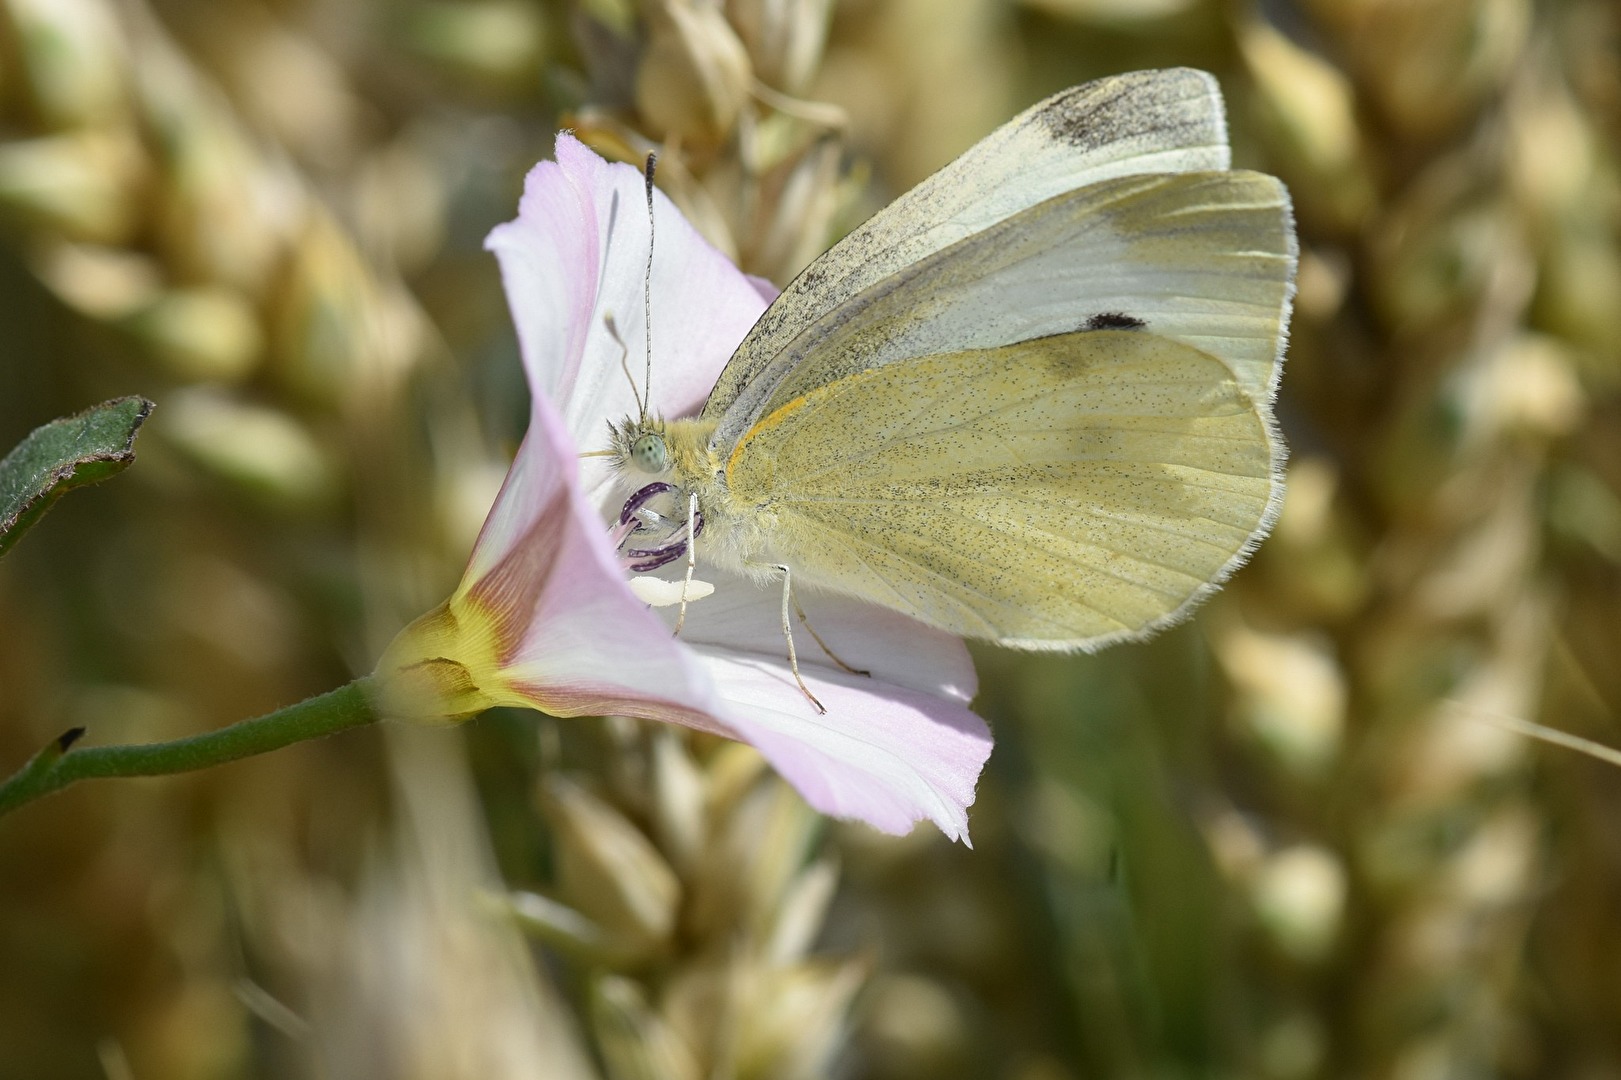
(1029, 402)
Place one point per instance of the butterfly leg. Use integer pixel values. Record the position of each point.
(788, 635)
(624, 359)
(692, 559)
(804, 621)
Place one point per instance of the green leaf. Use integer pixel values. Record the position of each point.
(64, 454)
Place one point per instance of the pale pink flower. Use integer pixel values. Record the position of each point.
(544, 616)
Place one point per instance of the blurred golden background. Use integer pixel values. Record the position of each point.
(1286, 840)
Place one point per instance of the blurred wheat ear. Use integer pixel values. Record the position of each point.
(1440, 166)
(686, 901)
(1279, 842)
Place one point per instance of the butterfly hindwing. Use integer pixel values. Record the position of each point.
(1057, 493)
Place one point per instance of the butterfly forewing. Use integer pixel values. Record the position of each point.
(1205, 258)
(1056, 493)
(1138, 123)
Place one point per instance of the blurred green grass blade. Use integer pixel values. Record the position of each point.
(64, 454)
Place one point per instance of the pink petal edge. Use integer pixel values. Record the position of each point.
(882, 754)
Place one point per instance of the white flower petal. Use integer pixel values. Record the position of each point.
(883, 754)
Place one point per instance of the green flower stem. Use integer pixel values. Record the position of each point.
(59, 765)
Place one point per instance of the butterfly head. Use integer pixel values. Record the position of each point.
(663, 515)
(648, 454)
(657, 449)
(639, 447)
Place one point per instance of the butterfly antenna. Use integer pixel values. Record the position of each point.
(624, 362)
(647, 285)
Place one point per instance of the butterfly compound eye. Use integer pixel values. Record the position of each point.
(649, 455)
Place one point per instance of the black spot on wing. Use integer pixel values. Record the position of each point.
(1113, 320)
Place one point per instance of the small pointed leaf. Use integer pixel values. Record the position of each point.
(64, 454)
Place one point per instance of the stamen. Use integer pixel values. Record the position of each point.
(621, 532)
(664, 559)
